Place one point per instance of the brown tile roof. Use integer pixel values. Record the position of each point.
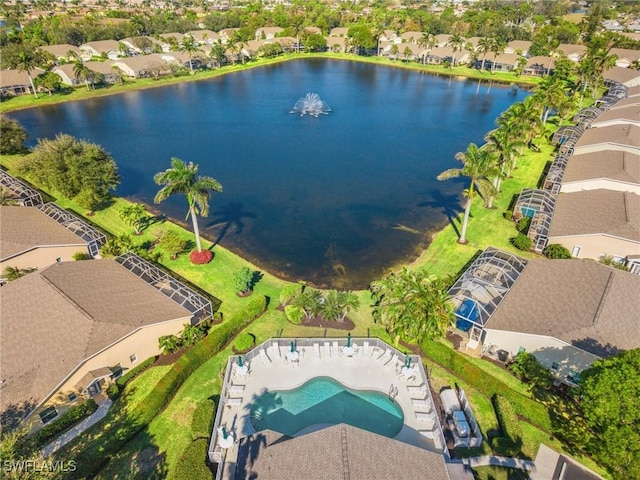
(55, 318)
(630, 112)
(617, 134)
(332, 451)
(611, 164)
(597, 212)
(581, 302)
(24, 228)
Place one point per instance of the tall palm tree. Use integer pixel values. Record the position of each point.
(506, 147)
(27, 61)
(497, 47)
(426, 42)
(551, 93)
(484, 47)
(183, 178)
(478, 165)
(394, 51)
(455, 42)
(190, 47)
(83, 73)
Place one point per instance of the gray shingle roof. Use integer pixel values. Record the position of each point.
(631, 112)
(597, 211)
(332, 451)
(611, 164)
(23, 228)
(581, 302)
(55, 318)
(618, 134)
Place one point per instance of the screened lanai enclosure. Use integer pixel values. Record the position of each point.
(18, 192)
(481, 288)
(199, 305)
(94, 237)
(538, 205)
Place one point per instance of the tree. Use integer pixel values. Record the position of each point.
(243, 280)
(190, 47)
(12, 136)
(116, 246)
(183, 179)
(555, 250)
(27, 60)
(394, 51)
(191, 334)
(13, 273)
(12, 455)
(76, 169)
(455, 42)
(347, 301)
(135, 215)
(413, 305)
(330, 307)
(169, 343)
(506, 143)
(172, 242)
(479, 167)
(310, 301)
(551, 93)
(497, 47)
(48, 81)
(83, 73)
(218, 53)
(484, 47)
(426, 42)
(609, 392)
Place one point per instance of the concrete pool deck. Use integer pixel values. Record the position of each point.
(375, 370)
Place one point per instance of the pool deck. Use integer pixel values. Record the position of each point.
(374, 371)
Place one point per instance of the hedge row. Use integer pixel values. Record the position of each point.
(474, 376)
(193, 462)
(116, 387)
(507, 418)
(97, 453)
(51, 430)
(202, 420)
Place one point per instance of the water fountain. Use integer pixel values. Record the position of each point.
(311, 104)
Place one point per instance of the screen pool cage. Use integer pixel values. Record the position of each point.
(19, 192)
(567, 136)
(482, 287)
(196, 303)
(94, 237)
(538, 205)
(553, 180)
(587, 115)
(617, 89)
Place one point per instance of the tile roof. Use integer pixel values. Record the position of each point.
(611, 164)
(597, 212)
(24, 228)
(332, 451)
(581, 302)
(74, 310)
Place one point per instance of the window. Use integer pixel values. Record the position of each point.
(576, 251)
(133, 358)
(573, 377)
(555, 366)
(116, 372)
(618, 259)
(72, 397)
(48, 414)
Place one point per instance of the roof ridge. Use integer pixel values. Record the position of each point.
(67, 297)
(605, 293)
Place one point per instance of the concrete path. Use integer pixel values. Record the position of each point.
(69, 435)
(499, 461)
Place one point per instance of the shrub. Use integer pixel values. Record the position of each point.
(202, 420)
(244, 342)
(113, 392)
(200, 258)
(81, 256)
(294, 314)
(134, 372)
(12, 136)
(169, 343)
(526, 366)
(193, 462)
(172, 242)
(192, 334)
(556, 251)
(73, 416)
(523, 224)
(609, 261)
(243, 280)
(522, 242)
(507, 418)
(289, 292)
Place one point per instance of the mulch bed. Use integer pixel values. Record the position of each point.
(320, 321)
(169, 358)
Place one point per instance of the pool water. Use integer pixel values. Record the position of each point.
(324, 400)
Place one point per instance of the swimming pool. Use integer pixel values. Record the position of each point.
(323, 400)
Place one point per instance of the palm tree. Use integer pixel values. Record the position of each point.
(506, 149)
(497, 47)
(484, 47)
(27, 61)
(190, 47)
(12, 273)
(330, 306)
(183, 178)
(426, 42)
(394, 51)
(551, 93)
(413, 304)
(479, 167)
(135, 215)
(83, 73)
(347, 301)
(218, 53)
(455, 42)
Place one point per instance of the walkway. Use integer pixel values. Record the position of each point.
(69, 435)
(499, 461)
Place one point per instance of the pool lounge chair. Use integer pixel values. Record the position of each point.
(316, 350)
(327, 349)
(276, 349)
(385, 357)
(417, 392)
(392, 362)
(263, 356)
(335, 350)
(234, 402)
(424, 404)
(365, 349)
(425, 417)
(236, 390)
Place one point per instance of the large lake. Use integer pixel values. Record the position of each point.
(335, 200)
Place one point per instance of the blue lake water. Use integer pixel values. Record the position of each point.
(324, 400)
(335, 200)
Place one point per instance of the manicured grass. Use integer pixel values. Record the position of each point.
(501, 374)
(498, 473)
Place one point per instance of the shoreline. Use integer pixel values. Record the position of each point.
(80, 93)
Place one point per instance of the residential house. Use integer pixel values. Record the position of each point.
(17, 192)
(626, 76)
(625, 56)
(267, 33)
(63, 52)
(204, 37)
(339, 32)
(227, 34)
(15, 82)
(84, 325)
(185, 59)
(389, 36)
(519, 47)
(337, 44)
(101, 48)
(615, 137)
(629, 115)
(140, 45)
(313, 30)
(503, 62)
(170, 41)
(595, 223)
(606, 169)
(573, 52)
(538, 66)
(439, 55)
(104, 69)
(39, 236)
(411, 37)
(442, 40)
(143, 66)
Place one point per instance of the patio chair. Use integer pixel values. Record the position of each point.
(235, 390)
(334, 348)
(385, 357)
(427, 433)
(424, 404)
(263, 356)
(424, 417)
(234, 402)
(316, 350)
(327, 350)
(276, 349)
(417, 392)
(393, 362)
(365, 349)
